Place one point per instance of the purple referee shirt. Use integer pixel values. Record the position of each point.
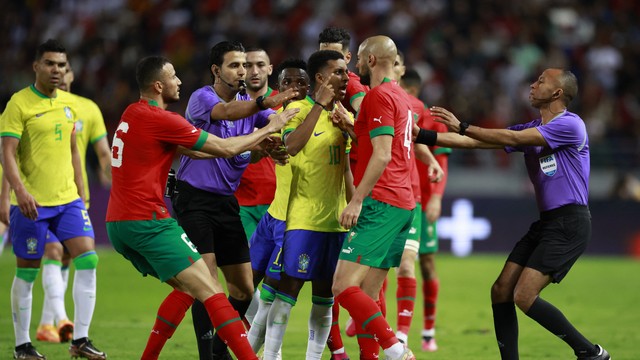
(559, 172)
(219, 175)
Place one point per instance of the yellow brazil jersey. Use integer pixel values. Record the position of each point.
(317, 195)
(89, 129)
(44, 126)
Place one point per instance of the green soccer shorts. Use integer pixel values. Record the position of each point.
(159, 248)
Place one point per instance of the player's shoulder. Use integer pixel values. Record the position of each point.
(25, 94)
(305, 103)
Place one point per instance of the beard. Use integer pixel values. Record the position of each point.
(365, 75)
(365, 79)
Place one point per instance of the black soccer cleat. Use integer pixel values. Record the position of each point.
(602, 355)
(27, 351)
(83, 348)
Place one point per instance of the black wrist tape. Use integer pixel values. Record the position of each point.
(427, 137)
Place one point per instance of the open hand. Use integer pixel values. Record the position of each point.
(446, 117)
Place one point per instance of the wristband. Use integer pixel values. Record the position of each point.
(260, 103)
(322, 106)
(427, 137)
(463, 128)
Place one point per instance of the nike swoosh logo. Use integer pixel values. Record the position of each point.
(318, 133)
(272, 270)
(86, 228)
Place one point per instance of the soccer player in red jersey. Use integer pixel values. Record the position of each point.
(258, 182)
(380, 212)
(426, 240)
(138, 223)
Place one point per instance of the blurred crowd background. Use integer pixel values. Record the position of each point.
(476, 58)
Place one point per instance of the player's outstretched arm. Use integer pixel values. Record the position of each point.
(235, 145)
(489, 138)
(235, 110)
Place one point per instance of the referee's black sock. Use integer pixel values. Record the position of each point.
(241, 306)
(203, 329)
(553, 320)
(505, 322)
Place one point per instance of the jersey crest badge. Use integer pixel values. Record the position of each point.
(68, 113)
(303, 263)
(32, 245)
(79, 126)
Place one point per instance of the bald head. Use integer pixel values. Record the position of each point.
(381, 47)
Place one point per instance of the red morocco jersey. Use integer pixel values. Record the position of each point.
(385, 110)
(258, 182)
(426, 121)
(355, 89)
(143, 149)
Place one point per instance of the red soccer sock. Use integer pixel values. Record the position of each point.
(334, 342)
(170, 314)
(430, 292)
(226, 321)
(364, 311)
(369, 347)
(406, 297)
(382, 298)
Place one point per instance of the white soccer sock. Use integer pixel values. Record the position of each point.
(259, 325)
(84, 299)
(253, 307)
(21, 299)
(276, 326)
(319, 327)
(53, 307)
(65, 277)
(394, 351)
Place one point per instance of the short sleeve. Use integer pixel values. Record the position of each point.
(11, 122)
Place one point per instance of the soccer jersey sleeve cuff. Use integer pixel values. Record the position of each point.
(201, 140)
(10, 134)
(382, 130)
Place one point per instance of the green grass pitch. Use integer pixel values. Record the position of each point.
(601, 296)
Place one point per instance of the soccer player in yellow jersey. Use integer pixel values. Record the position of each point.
(320, 178)
(42, 165)
(90, 129)
(265, 244)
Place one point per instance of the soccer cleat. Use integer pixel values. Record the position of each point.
(350, 328)
(65, 330)
(27, 351)
(84, 348)
(429, 344)
(602, 355)
(47, 333)
(407, 354)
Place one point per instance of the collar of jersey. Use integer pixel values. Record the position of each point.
(151, 102)
(37, 92)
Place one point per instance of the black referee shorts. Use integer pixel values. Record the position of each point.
(553, 244)
(212, 223)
